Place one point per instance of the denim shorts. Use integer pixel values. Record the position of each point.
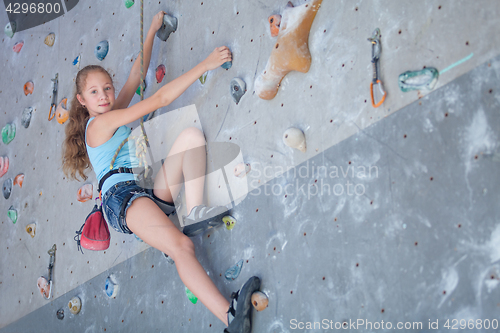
(120, 196)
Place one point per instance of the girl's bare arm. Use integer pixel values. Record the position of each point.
(134, 78)
(108, 122)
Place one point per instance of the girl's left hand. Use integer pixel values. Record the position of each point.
(157, 21)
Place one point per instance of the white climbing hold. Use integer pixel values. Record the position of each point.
(295, 138)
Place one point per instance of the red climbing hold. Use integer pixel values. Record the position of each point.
(18, 46)
(160, 73)
(4, 165)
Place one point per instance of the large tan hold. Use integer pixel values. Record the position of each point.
(291, 52)
(259, 301)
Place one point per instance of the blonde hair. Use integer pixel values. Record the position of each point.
(75, 160)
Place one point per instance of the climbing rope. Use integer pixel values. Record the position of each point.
(142, 142)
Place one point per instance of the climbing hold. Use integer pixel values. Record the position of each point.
(138, 91)
(60, 314)
(12, 214)
(76, 62)
(18, 46)
(242, 169)
(10, 29)
(4, 165)
(238, 89)
(234, 271)
(44, 287)
(418, 80)
(19, 179)
(295, 138)
(227, 65)
(191, 296)
(101, 50)
(111, 287)
(7, 188)
(85, 193)
(169, 259)
(8, 133)
(274, 24)
(291, 51)
(62, 114)
(160, 73)
(169, 26)
(203, 78)
(259, 300)
(26, 117)
(30, 229)
(28, 88)
(75, 305)
(129, 3)
(50, 39)
(229, 221)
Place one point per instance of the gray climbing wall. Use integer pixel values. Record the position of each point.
(390, 215)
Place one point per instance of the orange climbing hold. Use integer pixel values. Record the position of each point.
(259, 301)
(61, 113)
(291, 51)
(274, 24)
(19, 179)
(85, 193)
(28, 88)
(4, 165)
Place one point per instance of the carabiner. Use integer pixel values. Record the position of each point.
(52, 106)
(382, 91)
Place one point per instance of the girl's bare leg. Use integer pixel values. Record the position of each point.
(150, 224)
(185, 163)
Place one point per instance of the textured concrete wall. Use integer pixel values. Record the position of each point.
(330, 104)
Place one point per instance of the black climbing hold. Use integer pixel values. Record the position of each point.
(238, 87)
(60, 314)
(7, 188)
(26, 117)
(169, 26)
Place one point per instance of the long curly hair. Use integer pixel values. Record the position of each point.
(75, 160)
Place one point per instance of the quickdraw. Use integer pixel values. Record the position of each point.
(54, 97)
(376, 51)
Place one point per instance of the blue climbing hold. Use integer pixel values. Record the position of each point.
(76, 62)
(101, 50)
(234, 271)
(111, 287)
(227, 65)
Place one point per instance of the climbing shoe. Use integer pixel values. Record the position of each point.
(202, 218)
(239, 315)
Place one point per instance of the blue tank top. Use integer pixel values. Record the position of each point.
(101, 156)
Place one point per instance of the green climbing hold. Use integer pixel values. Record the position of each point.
(229, 221)
(138, 91)
(129, 3)
(203, 78)
(191, 296)
(12, 214)
(8, 133)
(418, 80)
(10, 29)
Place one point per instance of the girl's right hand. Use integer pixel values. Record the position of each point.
(218, 56)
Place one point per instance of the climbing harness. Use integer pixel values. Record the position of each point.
(376, 51)
(54, 97)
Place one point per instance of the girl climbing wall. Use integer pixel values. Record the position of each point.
(95, 130)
